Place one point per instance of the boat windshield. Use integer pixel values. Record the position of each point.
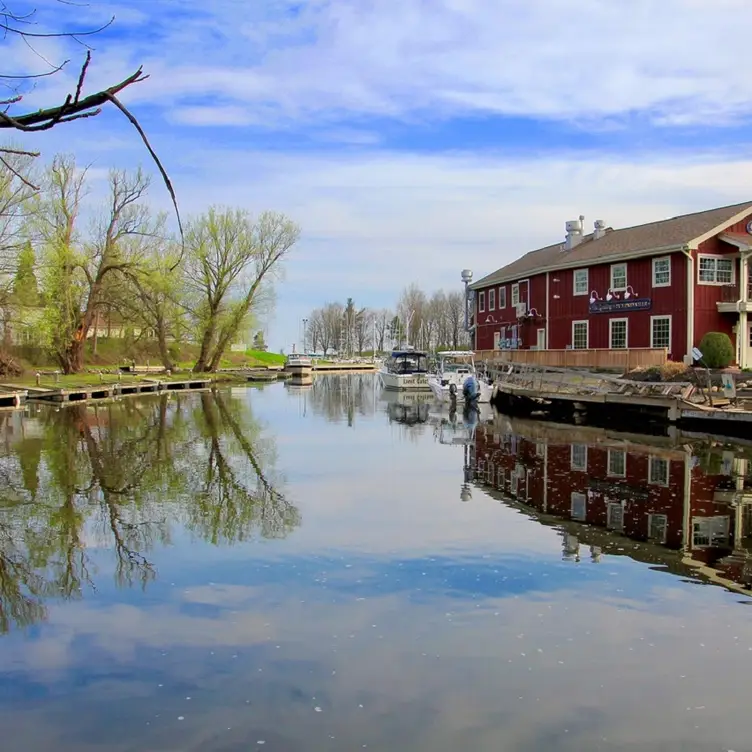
(408, 362)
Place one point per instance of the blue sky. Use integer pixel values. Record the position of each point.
(413, 138)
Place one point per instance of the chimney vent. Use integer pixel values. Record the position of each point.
(600, 229)
(574, 233)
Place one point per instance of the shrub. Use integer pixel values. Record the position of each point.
(717, 350)
(671, 371)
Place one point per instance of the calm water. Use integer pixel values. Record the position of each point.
(322, 569)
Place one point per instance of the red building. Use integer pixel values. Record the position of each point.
(661, 495)
(659, 285)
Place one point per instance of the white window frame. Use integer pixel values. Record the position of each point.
(670, 330)
(611, 323)
(482, 301)
(492, 299)
(587, 334)
(714, 529)
(664, 518)
(515, 294)
(586, 291)
(540, 449)
(610, 471)
(661, 481)
(626, 279)
(579, 499)
(715, 282)
(662, 284)
(582, 468)
(502, 298)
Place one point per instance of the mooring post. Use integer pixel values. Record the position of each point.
(38, 377)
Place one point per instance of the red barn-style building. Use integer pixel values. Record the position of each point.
(658, 285)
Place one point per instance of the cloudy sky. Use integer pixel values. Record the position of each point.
(412, 138)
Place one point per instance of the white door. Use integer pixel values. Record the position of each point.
(541, 339)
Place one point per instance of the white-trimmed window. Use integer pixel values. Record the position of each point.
(502, 298)
(580, 282)
(578, 506)
(515, 295)
(618, 276)
(618, 333)
(657, 527)
(662, 271)
(481, 301)
(615, 516)
(617, 463)
(578, 460)
(658, 469)
(715, 270)
(660, 331)
(710, 531)
(540, 449)
(580, 335)
(492, 299)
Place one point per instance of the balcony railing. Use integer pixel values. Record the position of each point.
(731, 293)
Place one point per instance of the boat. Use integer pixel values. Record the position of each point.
(299, 365)
(456, 378)
(405, 369)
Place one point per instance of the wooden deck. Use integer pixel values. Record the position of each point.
(12, 397)
(560, 392)
(90, 392)
(621, 360)
(345, 367)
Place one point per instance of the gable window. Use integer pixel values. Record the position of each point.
(660, 331)
(481, 302)
(492, 299)
(578, 460)
(617, 333)
(515, 295)
(580, 282)
(662, 272)
(716, 270)
(658, 471)
(618, 276)
(617, 463)
(579, 335)
(502, 298)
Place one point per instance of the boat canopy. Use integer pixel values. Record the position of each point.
(408, 354)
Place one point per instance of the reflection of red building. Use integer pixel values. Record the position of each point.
(701, 508)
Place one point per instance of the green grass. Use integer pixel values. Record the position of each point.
(87, 380)
(263, 358)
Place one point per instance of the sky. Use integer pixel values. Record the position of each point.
(413, 138)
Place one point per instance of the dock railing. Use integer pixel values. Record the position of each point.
(625, 360)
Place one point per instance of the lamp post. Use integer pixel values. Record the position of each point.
(305, 349)
(467, 278)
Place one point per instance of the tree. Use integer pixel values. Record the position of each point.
(381, 319)
(25, 289)
(231, 263)
(78, 273)
(21, 24)
(258, 341)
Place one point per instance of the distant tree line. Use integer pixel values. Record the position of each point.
(63, 273)
(427, 323)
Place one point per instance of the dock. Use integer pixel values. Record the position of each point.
(332, 367)
(12, 397)
(93, 392)
(585, 397)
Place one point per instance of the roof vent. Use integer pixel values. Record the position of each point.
(600, 229)
(574, 233)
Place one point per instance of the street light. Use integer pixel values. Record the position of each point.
(305, 349)
(467, 278)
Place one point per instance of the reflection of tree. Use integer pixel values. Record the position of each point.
(117, 476)
(338, 396)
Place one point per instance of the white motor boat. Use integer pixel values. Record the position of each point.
(299, 365)
(405, 369)
(457, 379)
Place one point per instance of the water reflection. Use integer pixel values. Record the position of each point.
(694, 499)
(342, 398)
(119, 477)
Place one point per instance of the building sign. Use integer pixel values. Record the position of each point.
(621, 306)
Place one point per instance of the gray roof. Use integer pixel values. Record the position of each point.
(628, 241)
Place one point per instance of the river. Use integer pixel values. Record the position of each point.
(327, 568)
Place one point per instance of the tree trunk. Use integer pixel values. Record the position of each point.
(96, 333)
(164, 352)
(203, 356)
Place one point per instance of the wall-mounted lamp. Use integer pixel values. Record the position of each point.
(630, 293)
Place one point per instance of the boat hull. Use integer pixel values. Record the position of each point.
(404, 381)
(443, 393)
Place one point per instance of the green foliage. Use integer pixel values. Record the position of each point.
(263, 357)
(258, 341)
(25, 289)
(717, 350)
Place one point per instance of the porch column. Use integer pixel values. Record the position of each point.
(742, 330)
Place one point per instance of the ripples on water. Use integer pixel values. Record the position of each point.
(325, 568)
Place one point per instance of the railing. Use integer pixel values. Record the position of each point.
(731, 293)
(638, 357)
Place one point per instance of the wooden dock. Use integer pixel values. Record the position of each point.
(92, 392)
(12, 397)
(344, 367)
(566, 394)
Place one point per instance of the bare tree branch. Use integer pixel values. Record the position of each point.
(18, 175)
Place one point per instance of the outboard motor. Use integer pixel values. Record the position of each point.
(471, 390)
